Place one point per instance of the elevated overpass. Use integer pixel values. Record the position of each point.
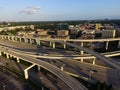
(65, 42)
(53, 40)
(68, 80)
(27, 58)
(73, 57)
(57, 56)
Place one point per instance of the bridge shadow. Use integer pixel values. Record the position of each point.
(113, 78)
(41, 78)
(53, 82)
(41, 49)
(19, 67)
(77, 68)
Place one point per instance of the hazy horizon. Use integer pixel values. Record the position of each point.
(54, 10)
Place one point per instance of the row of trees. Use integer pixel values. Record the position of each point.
(103, 86)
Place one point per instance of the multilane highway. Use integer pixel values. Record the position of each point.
(102, 72)
(38, 54)
(67, 40)
(102, 57)
(72, 83)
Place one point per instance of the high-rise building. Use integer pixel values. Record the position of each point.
(108, 33)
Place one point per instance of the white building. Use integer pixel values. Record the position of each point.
(108, 33)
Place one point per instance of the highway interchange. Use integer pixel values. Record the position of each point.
(71, 82)
(101, 71)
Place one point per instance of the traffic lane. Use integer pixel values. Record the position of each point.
(83, 70)
(102, 74)
(71, 82)
(33, 48)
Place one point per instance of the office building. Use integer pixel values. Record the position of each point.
(108, 33)
(62, 33)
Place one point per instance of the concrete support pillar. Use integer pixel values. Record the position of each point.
(16, 38)
(9, 38)
(107, 43)
(13, 39)
(18, 60)
(10, 56)
(20, 39)
(64, 45)
(26, 71)
(50, 44)
(62, 68)
(94, 61)
(119, 44)
(54, 45)
(82, 59)
(26, 74)
(0, 53)
(30, 41)
(90, 75)
(7, 55)
(82, 52)
(1, 37)
(5, 37)
(38, 42)
(26, 40)
(38, 68)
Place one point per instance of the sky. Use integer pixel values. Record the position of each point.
(55, 10)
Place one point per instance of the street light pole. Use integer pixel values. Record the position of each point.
(90, 74)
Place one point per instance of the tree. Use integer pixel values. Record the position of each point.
(104, 86)
(110, 87)
(98, 85)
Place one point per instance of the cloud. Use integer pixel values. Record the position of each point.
(30, 10)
